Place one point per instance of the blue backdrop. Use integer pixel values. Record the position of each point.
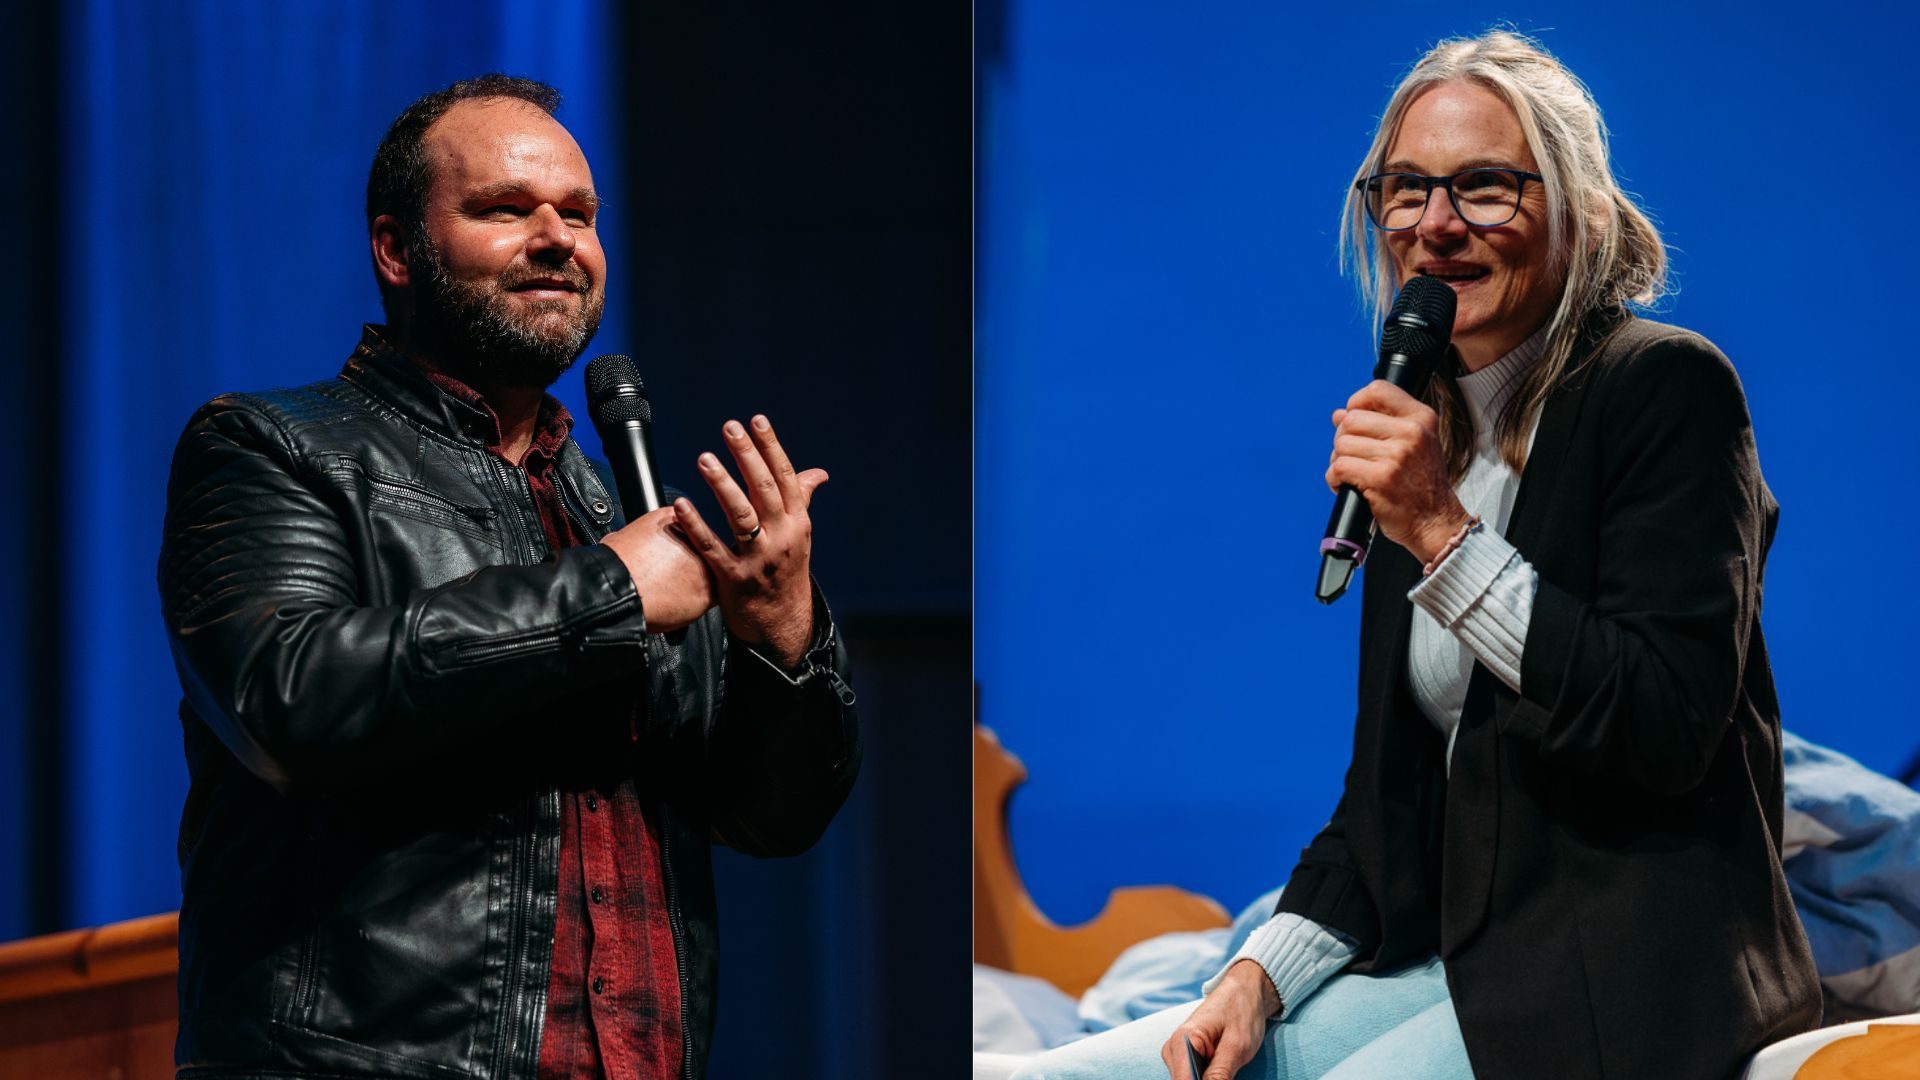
(1162, 332)
(187, 197)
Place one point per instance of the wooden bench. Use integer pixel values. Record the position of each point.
(96, 1003)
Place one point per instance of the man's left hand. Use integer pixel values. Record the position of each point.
(761, 579)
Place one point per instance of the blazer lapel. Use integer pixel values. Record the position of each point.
(1473, 782)
(1533, 504)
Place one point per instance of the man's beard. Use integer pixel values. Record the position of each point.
(477, 333)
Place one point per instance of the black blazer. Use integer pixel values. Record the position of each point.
(1601, 872)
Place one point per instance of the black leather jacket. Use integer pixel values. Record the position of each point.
(387, 681)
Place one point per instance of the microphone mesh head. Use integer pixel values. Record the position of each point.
(1431, 299)
(1421, 321)
(615, 392)
(613, 374)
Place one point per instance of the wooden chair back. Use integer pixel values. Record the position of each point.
(1009, 929)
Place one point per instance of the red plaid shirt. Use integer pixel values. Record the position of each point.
(613, 995)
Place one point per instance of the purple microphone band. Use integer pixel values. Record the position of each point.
(1343, 549)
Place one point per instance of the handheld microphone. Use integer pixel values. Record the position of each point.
(1411, 343)
(617, 401)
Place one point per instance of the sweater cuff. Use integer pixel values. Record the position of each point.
(1483, 593)
(1297, 953)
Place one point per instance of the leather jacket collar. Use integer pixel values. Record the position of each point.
(379, 367)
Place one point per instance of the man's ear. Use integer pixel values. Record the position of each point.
(391, 258)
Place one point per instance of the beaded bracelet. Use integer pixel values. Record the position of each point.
(1472, 526)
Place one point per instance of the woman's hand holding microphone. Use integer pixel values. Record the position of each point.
(1386, 446)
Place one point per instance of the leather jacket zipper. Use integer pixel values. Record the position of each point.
(820, 660)
(514, 1024)
(679, 940)
(838, 685)
(303, 990)
(502, 471)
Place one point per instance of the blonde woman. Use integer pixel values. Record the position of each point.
(1558, 849)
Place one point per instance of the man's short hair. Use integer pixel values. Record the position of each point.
(401, 174)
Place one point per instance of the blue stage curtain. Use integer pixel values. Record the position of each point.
(188, 213)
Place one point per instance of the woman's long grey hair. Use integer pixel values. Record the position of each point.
(1607, 250)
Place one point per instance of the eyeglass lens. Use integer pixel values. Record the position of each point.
(1482, 197)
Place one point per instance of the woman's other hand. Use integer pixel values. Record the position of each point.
(1386, 445)
(1227, 1027)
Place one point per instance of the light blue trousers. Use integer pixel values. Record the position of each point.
(1357, 1027)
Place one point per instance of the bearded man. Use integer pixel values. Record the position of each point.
(458, 734)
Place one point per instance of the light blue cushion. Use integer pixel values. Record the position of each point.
(1853, 866)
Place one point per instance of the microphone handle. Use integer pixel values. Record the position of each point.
(629, 449)
(1402, 371)
(1349, 528)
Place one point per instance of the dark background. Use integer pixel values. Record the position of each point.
(787, 231)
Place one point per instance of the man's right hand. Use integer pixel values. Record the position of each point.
(674, 585)
(1227, 1027)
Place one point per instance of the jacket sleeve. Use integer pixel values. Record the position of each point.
(785, 747)
(1326, 888)
(1641, 682)
(307, 686)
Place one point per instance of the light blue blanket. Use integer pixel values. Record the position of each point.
(1853, 865)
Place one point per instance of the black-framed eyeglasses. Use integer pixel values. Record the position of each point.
(1481, 197)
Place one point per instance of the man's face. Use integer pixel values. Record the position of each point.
(510, 282)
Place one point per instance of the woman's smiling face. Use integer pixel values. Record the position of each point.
(1503, 276)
